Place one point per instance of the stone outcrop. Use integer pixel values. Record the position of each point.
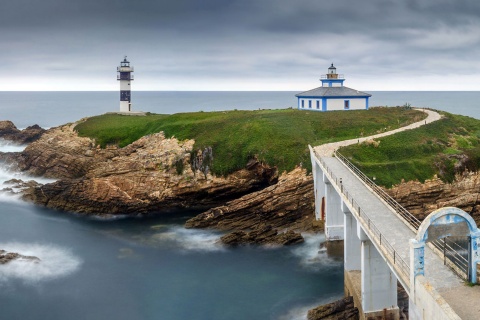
(9, 131)
(270, 215)
(152, 174)
(287, 204)
(423, 198)
(262, 235)
(342, 309)
(6, 257)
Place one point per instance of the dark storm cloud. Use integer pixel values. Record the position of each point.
(204, 40)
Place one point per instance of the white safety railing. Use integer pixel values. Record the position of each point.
(380, 238)
(451, 252)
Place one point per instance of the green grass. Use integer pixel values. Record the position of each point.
(277, 137)
(444, 147)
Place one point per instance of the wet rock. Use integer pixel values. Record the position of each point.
(9, 131)
(342, 309)
(6, 257)
(262, 235)
(288, 204)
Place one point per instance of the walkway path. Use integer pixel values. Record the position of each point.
(326, 150)
(464, 300)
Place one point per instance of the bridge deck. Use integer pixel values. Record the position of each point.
(464, 300)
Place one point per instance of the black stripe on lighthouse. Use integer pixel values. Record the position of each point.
(125, 95)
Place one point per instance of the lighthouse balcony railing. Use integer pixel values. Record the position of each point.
(125, 78)
(332, 76)
(125, 69)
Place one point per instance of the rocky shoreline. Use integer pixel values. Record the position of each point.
(155, 174)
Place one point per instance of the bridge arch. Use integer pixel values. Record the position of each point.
(444, 222)
(441, 223)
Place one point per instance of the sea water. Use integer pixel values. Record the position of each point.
(49, 109)
(153, 268)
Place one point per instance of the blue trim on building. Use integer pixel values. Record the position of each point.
(366, 102)
(324, 104)
(331, 81)
(332, 97)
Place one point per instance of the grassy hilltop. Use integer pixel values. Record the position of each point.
(445, 147)
(277, 137)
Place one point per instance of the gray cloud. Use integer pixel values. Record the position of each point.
(184, 42)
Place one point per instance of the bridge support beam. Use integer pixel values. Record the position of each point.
(319, 189)
(379, 285)
(351, 243)
(334, 215)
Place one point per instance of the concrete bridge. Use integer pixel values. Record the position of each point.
(384, 244)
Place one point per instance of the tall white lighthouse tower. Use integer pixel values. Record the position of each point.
(125, 76)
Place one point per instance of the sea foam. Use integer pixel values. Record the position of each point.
(311, 255)
(55, 262)
(191, 239)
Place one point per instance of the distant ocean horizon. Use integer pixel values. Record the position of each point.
(53, 108)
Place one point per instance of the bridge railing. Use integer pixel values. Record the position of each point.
(411, 219)
(403, 266)
(452, 253)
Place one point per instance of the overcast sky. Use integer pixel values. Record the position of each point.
(240, 44)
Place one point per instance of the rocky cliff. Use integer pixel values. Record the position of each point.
(277, 211)
(150, 175)
(423, 198)
(9, 131)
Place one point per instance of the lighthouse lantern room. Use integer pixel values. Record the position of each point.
(124, 75)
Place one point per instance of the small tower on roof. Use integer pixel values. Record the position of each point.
(124, 75)
(332, 79)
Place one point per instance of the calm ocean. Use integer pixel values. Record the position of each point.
(49, 109)
(153, 268)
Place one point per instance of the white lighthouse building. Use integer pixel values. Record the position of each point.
(332, 95)
(125, 76)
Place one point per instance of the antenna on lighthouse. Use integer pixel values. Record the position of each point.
(124, 75)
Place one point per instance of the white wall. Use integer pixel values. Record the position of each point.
(125, 85)
(428, 304)
(314, 104)
(334, 104)
(339, 104)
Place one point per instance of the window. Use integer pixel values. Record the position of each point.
(346, 104)
(318, 104)
(310, 104)
(303, 103)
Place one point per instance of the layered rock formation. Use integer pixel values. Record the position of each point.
(9, 131)
(341, 309)
(287, 205)
(423, 198)
(152, 174)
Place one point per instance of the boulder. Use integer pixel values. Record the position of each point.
(9, 131)
(342, 309)
(262, 235)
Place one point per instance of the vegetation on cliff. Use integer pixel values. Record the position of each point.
(276, 137)
(445, 148)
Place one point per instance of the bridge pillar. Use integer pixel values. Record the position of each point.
(379, 285)
(334, 215)
(319, 181)
(319, 189)
(351, 242)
